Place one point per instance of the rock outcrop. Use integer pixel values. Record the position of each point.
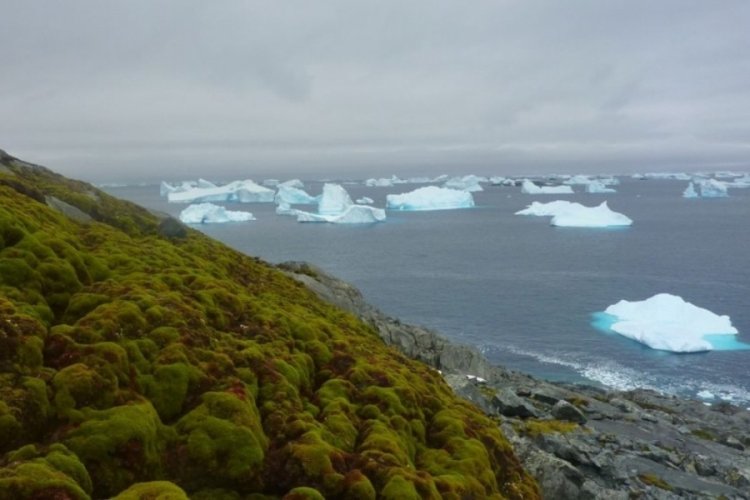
(578, 441)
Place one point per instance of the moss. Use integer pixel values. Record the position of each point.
(535, 428)
(59, 474)
(399, 488)
(119, 446)
(179, 359)
(303, 493)
(703, 434)
(654, 480)
(154, 490)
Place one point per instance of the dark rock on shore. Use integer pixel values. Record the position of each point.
(579, 442)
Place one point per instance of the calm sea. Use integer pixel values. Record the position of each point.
(524, 291)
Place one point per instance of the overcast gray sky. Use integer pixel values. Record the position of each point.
(106, 90)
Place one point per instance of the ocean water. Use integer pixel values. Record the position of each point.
(527, 293)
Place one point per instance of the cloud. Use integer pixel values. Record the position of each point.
(103, 91)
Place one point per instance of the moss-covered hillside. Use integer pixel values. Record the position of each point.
(134, 366)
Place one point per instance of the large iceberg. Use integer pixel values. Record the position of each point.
(353, 214)
(706, 188)
(468, 183)
(293, 196)
(336, 206)
(295, 183)
(365, 200)
(239, 191)
(569, 214)
(430, 198)
(334, 200)
(529, 187)
(669, 323)
(206, 213)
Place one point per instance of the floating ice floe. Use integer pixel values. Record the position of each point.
(384, 182)
(336, 206)
(430, 198)
(468, 183)
(365, 200)
(208, 213)
(293, 196)
(167, 188)
(294, 183)
(739, 182)
(238, 191)
(667, 322)
(706, 188)
(204, 184)
(529, 187)
(569, 214)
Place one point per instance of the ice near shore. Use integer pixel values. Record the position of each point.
(245, 191)
(528, 187)
(336, 206)
(430, 198)
(667, 322)
(208, 213)
(570, 214)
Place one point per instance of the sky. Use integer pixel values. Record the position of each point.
(157, 89)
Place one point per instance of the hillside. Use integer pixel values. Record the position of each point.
(140, 359)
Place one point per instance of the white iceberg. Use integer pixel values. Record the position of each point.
(272, 183)
(365, 200)
(569, 214)
(690, 191)
(468, 183)
(711, 188)
(295, 183)
(430, 198)
(167, 188)
(598, 187)
(334, 200)
(293, 196)
(203, 183)
(666, 322)
(577, 180)
(384, 182)
(498, 180)
(353, 214)
(739, 182)
(240, 191)
(529, 187)
(285, 209)
(207, 213)
(677, 176)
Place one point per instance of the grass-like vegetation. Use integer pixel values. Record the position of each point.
(137, 366)
(654, 480)
(534, 428)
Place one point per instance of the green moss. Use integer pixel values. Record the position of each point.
(303, 493)
(179, 359)
(154, 490)
(654, 480)
(58, 474)
(703, 434)
(534, 428)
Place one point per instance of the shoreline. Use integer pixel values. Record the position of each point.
(578, 440)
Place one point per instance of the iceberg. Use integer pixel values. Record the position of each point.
(569, 214)
(712, 188)
(334, 200)
(365, 200)
(669, 323)
(384, 182)
(677, 176)
(468, 183)
(203, 183)
(240, 191)
(207, 213)
(353, 214)
(577, 180)
(690, 191)
(167, 188)
(598, 187)
(529, 187)
(271, 183)
(430, 198)
(295, 183)
(739, 182)
(293, 196)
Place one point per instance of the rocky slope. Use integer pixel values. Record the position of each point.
(143, 360)
(579, 442)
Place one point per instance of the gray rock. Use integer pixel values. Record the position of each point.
(566, 411)
(556, 478)
(170, 227)
(505, 402)
(67, 209)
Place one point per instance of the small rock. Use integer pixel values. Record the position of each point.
(735, 443)
(566, 411)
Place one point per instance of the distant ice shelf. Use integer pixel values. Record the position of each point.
(430, 198)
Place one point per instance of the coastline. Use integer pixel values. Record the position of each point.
(578, 441)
